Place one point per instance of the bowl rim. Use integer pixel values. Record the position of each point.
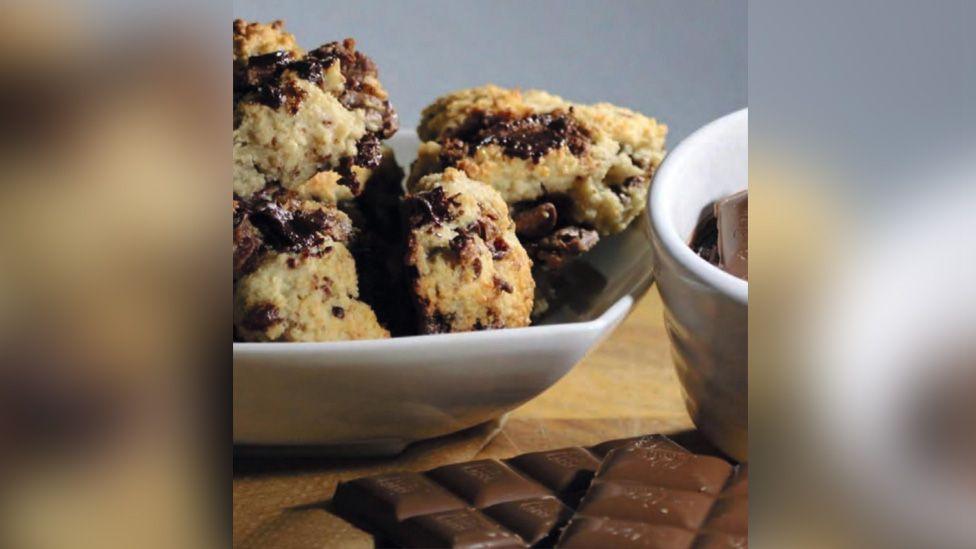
(617, 310)
(660, 216)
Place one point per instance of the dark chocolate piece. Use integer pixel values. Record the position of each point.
(535, 520)
(718, 540)
(739, 485)
(564, 471)
(649, 504)
(660, 442)
(386, 500)
(562, 245)
(730, 515)
(732, 215)
(527, 137)
(721, 236)
(591, 532)
(486, 482)
(286, 227)
(536, 222)
(431, 206)
(647, 494)
(458, 528)
(670, 469)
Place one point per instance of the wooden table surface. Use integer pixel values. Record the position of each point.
(625, 387)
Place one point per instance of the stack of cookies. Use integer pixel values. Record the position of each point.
(329, 246)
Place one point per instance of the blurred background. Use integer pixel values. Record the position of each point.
(862, 368)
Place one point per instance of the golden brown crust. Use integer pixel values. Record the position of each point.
(251, 39)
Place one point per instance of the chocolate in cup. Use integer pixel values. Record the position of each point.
(732, 215)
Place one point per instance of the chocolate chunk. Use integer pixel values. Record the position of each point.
(590, 532)
(721, 236)
(646, 494)
(739, 485)
(436, 323)
(565, 471)
(369, 154)
(561, 246)
(388, 499)
(369, 151)
(463, 247)
(431, 206)
(536, 520)
(458, 528)
(261, 317)
(730, 515)
(499, 248)
(286, 226)
(260, 69)
(658, 442)
(247, 242)
(258, 79)
(358, 69)
(292, 95)
(536, 222)
(527, 137)
(666, 468)
(716, 540)
(649, 504)
(732, 215)
(503, 285)
(704, 241)
(486, 482)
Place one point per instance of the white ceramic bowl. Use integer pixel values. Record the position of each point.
(705, 308)
(374, 397)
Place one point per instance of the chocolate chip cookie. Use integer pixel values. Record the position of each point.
(311, 122)
(593, 162)
(294, 277)
(465, 267)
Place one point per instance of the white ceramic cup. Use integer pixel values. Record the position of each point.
(705, 308)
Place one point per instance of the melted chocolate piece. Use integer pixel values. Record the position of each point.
(562, 245)
(431, 206)
(258, 77)
(704, 241)
(649, 494)
(261, 317)
(721, 236)
(369, 154)
(359, 94)
(536, 222)
(503, 285)
(285, 227)
(528, 137)
(247, 242)
(732, 213)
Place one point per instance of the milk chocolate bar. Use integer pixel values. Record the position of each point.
(523, 501)
(650, 496)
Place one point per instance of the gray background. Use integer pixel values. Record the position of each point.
(683, 62)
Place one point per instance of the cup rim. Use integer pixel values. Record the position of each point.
(661, 196)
